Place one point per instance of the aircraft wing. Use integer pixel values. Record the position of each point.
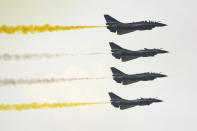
(127, 82)
(121, 32)
(126, 107)
(127, 58)
(127, 51)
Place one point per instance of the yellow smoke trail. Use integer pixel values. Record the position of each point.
(43, 55)
(35, 105)
(4, 82)
(25, 29)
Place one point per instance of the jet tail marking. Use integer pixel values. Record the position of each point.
(116, 71)
(110, 19)
(114, 96)
(114, 46)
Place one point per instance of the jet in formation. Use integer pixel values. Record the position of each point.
(121, 103)
(126, 79)
(123, 28)
(126, 55)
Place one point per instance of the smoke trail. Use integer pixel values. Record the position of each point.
(25, 29)
(35, 105)
(43, 55)
(4, 82)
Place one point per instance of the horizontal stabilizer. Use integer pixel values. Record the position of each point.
(117, 105)
(116, 71)
(116, 56)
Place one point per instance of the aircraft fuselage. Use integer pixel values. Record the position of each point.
(130, 26)
(137, 102)
(133, 78)
(140, 53)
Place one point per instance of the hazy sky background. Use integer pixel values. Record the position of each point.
(178, 90)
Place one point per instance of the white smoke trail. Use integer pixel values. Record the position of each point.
(43, 55)
(4, 82)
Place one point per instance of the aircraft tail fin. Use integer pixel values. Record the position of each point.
(116, 71)
(110, 19)
(114, 46)
(114, 97)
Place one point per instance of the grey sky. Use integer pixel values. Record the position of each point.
(177, 112)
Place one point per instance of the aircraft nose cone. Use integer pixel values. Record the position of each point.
(162, 75)
(161, 24)
(164, 25)
(164, 51)
(159, 100)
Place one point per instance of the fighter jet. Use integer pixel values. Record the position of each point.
(126, 55)
(126, 79)
(118, 102)
(122, 28)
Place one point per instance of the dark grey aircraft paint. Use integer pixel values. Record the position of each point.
(126, 79)
(122, 28)
(118, 102)
(126, 55)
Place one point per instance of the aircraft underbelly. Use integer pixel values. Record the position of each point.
(127, 82)
(127, 29)
(147, 79)
(127, 58)
(122, 107)
(124, 31)
(133, 27)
